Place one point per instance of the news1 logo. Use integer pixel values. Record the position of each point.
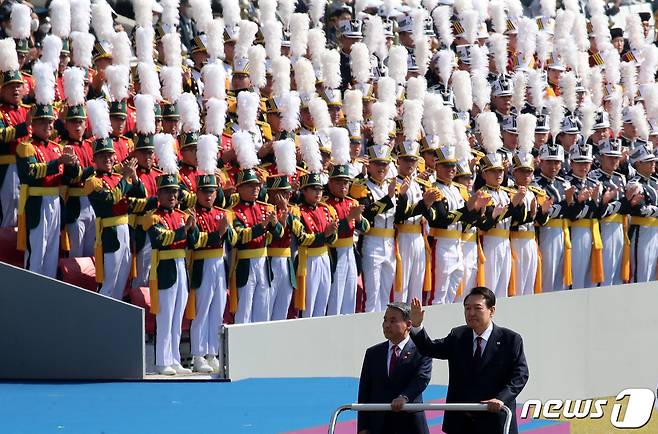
(638, 408)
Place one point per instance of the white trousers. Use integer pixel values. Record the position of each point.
(525, 265)
(318, 284)
(378, 265)
(551, 245)
(470, 252)
(644, 253)
(581, 257)
(82, 232)
(612, 236)
(169, 321)
(342, 297)
(281, 288)
(9, 197)
(210, 305)
(448, 269)
(412, 253)
(42, 255)
(254, 296)
(498, 264)
(143, 265)
(116, 266)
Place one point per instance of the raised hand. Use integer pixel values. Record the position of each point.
(392, 188)
(404, 187)
(417, 313)
(584, 194)
(546, 206)
(569, 193)
(191, 221)
(223, 225)
(331, 228)
(272, 218)
(609, 195)
(533, 207)
(431, 196)
(518, 197)
(355, 212)
(499, 210)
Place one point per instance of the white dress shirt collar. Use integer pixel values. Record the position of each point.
(485, 335)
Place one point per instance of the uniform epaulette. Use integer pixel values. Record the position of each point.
(27, 74)
(463, 191)
(508, 189)
(423, 182)
(358, 190)
(28, 106)
(559, 178)
(93, 184)
(25, 149)
(268, 206)
(537, 190)
(294, 210)
(265, 129)
(329, 208)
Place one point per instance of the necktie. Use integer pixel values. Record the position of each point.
(477, 355)
(394, 361)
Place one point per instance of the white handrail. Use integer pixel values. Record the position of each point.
(418, 407)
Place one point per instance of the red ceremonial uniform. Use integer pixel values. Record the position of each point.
(11, 117)
(148, 178)
(131, 118)
(187, 176)
(28, 84)
(123, 146)
(342, 207)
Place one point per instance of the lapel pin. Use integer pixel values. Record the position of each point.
(497, 343)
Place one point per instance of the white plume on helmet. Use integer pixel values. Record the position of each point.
(489, 132)
(164, 150)
(207, 149)
(144, 108)
(189, 112)
(525, 124)
(215, 116)
(74, 86)
(310, 148)
(99, 118)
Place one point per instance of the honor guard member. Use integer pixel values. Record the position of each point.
(525, 256)
(145, 128)
(112, 196)
(378, 195)
(553, 237)
(411, 243)
(190, 126)
(526, 265)
(208, 274)
(452, 208)
(79, 216)
(43, 167)
(643, 224)
(279, 251)
(464, 177)
(586, 245)
(314, 231)
(611, 213)
(171, 232)
(256, 225)
(342, 297)
(503, 207)
(14, 127)
(170, 122)
(123, 146)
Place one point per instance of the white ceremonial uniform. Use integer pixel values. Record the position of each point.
(470, 254)
(448, 255)
(411, 248)
(254, 296)
(644, 232)
(524, 252)
(496, 246)
(378, 260)
(117, 265)
(9, 197)
(42, 254)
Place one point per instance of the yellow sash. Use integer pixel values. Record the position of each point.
(596, 260)
(538, 280)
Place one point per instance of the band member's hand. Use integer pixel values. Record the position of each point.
(282, 216)
(364, 165)
(67, 159)
(272, 219)
(191, 221)
(533, 207)
(392, 187)
(404, 187)
(417, 313)
(518, 197)
(331, 228)
(546, 206)
(609, 195)
(355, 212)
(636, 199)
(584, 195)
(28, 116)
(398, 403)
(68, 150)
(129, 169)
(569, 193)
(223, 225)
(499, 210)
(493, 405)
(477, 201)
(431, 196)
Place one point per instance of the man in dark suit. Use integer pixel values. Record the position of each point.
(394, 371)
(486, 364)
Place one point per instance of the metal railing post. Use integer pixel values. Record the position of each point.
(418, 407)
